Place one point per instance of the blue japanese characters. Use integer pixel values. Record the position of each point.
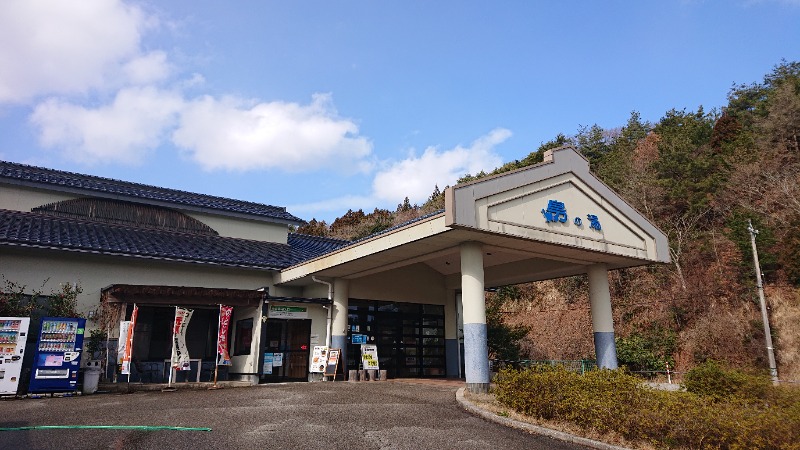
(556, 211)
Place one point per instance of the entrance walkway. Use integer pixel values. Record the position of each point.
(329, 415)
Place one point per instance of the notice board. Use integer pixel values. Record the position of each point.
(333, 362)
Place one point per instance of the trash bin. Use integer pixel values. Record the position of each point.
(91, 377)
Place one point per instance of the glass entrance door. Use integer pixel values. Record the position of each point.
(286, 351)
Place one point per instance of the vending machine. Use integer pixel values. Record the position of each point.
(58, 355)
(13, 335)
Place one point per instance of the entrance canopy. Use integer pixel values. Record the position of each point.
(546, 221)
(181, 295)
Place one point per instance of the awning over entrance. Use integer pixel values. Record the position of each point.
(180, 295)
(541, 222)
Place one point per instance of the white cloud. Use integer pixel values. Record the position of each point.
(234, 134)
(123, 131)
(415, 177)
(147, 69)
(66, 47)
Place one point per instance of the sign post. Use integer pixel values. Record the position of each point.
(333, 363)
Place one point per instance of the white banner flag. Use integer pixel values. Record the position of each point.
(180, 354)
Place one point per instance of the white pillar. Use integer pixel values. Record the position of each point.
(605, 348)
(476, 350)
(341, 301)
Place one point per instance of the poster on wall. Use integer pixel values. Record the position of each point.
(268, 363)
(369, 356)
(319, 358)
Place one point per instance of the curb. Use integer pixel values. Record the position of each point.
(535, 429)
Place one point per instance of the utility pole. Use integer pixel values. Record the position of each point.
(773, 369)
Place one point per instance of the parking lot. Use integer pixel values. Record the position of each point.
(329, 415)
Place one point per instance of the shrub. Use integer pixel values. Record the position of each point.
(711, 380)
(751, 414)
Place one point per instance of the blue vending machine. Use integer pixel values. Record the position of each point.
(58, 355)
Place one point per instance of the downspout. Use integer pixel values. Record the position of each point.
(330, 309)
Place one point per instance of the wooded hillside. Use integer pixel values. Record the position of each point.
(700, 176)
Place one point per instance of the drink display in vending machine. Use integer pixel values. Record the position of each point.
(13, 334)
(58, 355)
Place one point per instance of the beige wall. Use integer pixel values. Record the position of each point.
(94, 272)
(416, 283)
(243, 228)
(17, 198)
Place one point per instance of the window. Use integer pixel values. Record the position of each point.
(244, 336)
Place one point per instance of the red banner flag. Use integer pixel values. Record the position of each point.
(223, 357)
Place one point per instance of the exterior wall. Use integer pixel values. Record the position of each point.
(19, 198)
(32, 267)
(416, 284)
(246, 366)
(243, 228)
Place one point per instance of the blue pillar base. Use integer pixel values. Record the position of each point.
(476, 354)
(605, 349)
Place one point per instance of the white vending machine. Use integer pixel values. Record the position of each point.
(13, 335)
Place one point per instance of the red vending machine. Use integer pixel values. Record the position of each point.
(13, 335)
(58, 355)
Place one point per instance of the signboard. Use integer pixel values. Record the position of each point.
(277, 359)
(333, 362)
(359, 339)
(369, 356)
(319, 358)
(288, 312)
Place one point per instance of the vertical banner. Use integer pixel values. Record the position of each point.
(128, 336)
(123, 332)
(180, 354)
(223, 356)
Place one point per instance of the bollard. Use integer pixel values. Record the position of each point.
(383, 375)
(373, 375)
(362, 375)
(352, 376)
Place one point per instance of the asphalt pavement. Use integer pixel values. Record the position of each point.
(322, 415)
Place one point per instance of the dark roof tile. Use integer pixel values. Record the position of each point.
(39, 230)
(142, 192)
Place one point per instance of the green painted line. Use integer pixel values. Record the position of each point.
(105, 427)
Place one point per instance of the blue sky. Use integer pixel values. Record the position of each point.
(322, 106)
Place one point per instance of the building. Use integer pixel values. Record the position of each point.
(415, 290)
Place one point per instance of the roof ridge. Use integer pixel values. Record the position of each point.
(83, 221)
(135, 190)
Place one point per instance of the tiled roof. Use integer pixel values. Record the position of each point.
(313, 246)
(107, 187)
(26, 229)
